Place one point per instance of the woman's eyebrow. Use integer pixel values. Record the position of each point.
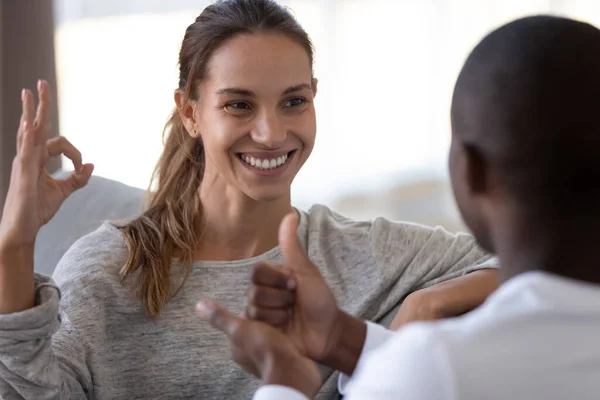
(250, 93)
(297, 88)
(238, 91)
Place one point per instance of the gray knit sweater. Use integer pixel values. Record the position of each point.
(92, 340)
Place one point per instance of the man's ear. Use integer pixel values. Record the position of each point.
(477, 170)
(315, 83)
(185, 107)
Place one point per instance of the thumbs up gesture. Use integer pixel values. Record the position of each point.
(296, 299)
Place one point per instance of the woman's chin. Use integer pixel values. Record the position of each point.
(269, 194)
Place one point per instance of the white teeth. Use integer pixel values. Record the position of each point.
(264, 164)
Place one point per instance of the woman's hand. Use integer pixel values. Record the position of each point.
(417, 306)
(447, 299)
(264, 351)
(34, 196)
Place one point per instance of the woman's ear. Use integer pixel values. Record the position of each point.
(186, 107)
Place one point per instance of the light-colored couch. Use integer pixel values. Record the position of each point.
(101, 200)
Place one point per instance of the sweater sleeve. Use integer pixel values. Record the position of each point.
(425, 256)
(41, 354)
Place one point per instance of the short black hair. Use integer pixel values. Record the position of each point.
(528, 99)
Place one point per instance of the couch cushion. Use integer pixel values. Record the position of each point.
(101, 200)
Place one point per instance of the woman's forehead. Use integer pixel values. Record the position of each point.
(255, 61)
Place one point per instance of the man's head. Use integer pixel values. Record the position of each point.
(526, 130)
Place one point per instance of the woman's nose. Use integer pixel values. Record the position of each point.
(269, 131)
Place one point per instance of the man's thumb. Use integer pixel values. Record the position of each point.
(295, 256)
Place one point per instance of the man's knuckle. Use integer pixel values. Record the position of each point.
(252, 293)
(251, 312)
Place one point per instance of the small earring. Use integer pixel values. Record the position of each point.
(194, 132)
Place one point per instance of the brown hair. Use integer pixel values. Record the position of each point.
(169, 226)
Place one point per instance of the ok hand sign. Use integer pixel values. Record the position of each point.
(34, 196)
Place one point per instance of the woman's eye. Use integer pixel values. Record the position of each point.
(295, 102)
(237, 105)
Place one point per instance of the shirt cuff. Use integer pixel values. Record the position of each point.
(377, 335)
(38, 322)
(278, 392)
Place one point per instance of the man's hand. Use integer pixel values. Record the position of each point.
(263, 351)
(296, 299)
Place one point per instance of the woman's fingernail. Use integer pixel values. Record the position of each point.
(25, 125)
(291, 284)
(39, 85)
(22, 94)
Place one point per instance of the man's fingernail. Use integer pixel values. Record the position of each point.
(22, 94)
(204, 308)
(291, 284)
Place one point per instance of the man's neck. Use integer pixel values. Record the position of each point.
(567, 251)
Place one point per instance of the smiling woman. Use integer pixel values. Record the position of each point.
(262, 111)
(231, 103)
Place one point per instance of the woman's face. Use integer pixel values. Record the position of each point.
(255, 114)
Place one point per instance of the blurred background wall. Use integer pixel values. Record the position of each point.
(26, 54)
(386, 70)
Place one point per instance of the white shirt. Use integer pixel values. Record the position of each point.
(536, 337)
